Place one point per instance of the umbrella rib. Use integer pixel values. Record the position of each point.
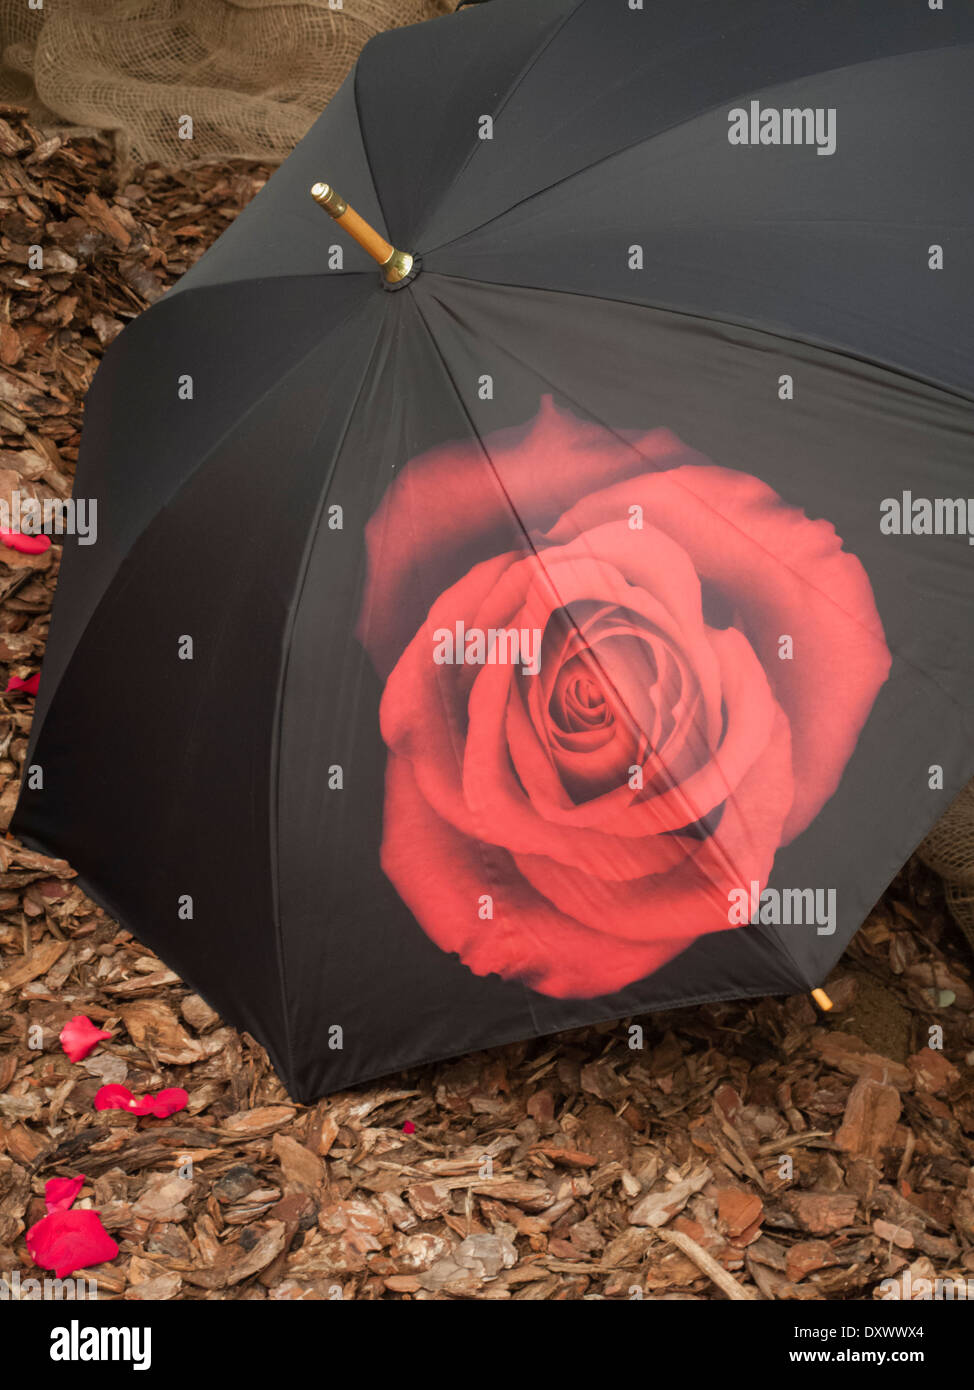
(514, 86)
(277, 732)
(676, 125)
(749, 326)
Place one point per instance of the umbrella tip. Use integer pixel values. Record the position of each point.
(822, 1000)
(326, 197)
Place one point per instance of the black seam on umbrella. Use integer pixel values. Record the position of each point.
(695, 813)
(37, 730)
(277, 728)
(365, 144)
(492, 877)
(688, 120)
(167, 501)
(749, 326)
(176, 294)
(44, 703)
(513, 87)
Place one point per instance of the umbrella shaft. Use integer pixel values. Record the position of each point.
(396, 264)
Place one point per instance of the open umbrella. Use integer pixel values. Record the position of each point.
(572, 617)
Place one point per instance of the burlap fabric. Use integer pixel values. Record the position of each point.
(251, 74)
(949, 851)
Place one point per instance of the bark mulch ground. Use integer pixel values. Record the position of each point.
(747, 1151)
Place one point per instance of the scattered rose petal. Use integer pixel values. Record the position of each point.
(117, 1097)
(27, 545)
(170, 1100)
(68, 1240)
(409, 1127)
(29, 686)
(79, 1036)
(59, 1193)
(165, 1103)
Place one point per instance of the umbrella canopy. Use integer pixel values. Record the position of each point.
(579, 623)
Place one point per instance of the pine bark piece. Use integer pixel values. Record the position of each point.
(871, 1115)
(656, 1208)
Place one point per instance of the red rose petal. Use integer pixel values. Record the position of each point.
(783, 573)
(162, 1104)
(167, 1102)
(483, 497)
(113, 1097)
(438, 872)
(27, 545)
(117, 1097)
(68, 1240)
(79, 1036)
(28, 686)
(59, 1193)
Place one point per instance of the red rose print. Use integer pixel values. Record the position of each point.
(592, 736)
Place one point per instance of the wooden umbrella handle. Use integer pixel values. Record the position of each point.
(396, 265)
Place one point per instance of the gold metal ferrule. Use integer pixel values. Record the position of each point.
(326, 197)
(397, 267)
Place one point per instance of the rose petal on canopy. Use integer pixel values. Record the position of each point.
(577, 579)
(783, 574)
(501, 800)
(565, 576)
(504, 815)
(648, 715)
(694, 898)
(441, 874)
(79, 1036)
(654, 564)
(60, 1193)
(465, 502)
(560, 581)
(69, 1240)
(423, 713)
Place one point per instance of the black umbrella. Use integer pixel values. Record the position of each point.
(573, 618)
